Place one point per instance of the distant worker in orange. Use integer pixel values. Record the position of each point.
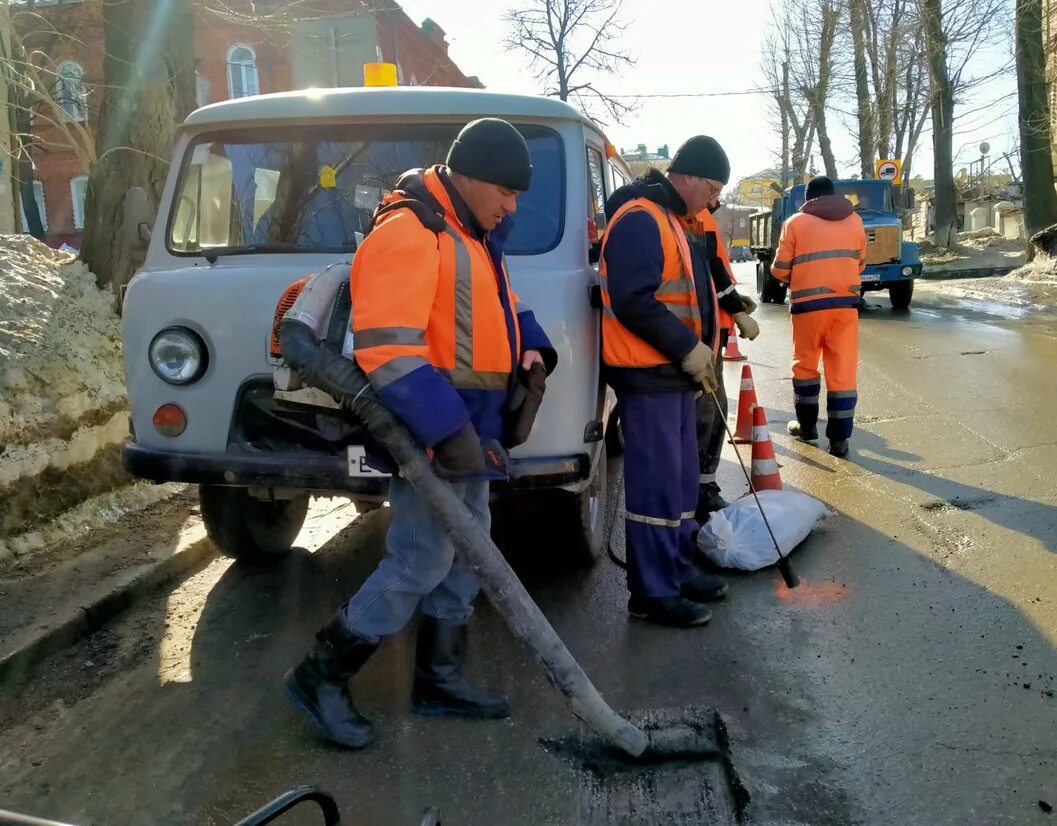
(821, 255)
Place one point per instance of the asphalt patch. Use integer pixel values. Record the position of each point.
(657, 788)
(959, 504)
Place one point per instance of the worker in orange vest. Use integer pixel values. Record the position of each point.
(821, 256)
(442, 339)
(734, 310)
(659, 341)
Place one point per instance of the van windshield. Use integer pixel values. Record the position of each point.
(314, 189)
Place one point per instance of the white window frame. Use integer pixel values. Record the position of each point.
(73, 102)
(78, 203)
(249, 73)
(38, 196)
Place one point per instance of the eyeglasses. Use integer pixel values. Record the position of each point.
(714, 188)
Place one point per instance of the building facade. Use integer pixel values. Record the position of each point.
(236, 55)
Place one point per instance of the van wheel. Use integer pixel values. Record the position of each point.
(556, 527)
(900, 294)
(246, 528)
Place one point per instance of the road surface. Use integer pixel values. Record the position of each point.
(911, 679)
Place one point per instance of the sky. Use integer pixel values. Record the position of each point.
(713, 48)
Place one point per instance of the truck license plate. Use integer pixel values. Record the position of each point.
(870, 277)
(358, 464)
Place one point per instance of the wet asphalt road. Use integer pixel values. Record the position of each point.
(910, 680)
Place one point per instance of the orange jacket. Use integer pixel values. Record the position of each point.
(821, 254)
(434, 321)
(676, 291)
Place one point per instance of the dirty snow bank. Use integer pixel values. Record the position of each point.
(62, 396)
(980, 250)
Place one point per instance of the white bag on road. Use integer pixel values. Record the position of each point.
(736, 537)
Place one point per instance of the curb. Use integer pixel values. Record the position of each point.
(83, 621)
(948, 275)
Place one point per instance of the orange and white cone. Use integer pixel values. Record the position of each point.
(732, 353)
(746, 403)
(764, 464)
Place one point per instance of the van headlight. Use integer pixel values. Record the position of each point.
(177, 355)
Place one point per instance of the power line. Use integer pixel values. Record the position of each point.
(697, 94)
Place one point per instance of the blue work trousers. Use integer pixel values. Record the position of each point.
(660, 489)
(420, 566)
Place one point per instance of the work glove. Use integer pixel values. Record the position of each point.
(699, 364)
(747, 326)
(524, 403)
(460, 455)
(747, 303)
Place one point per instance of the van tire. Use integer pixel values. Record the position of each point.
(554, 527)
(900, 294)
(250, 529)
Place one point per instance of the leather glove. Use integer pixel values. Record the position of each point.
(525, 403)
(747, 326)
(699, 364)
(747, 303)
(459, 455)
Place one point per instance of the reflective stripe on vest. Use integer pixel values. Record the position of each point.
(678, 293)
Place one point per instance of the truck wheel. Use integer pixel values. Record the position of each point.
(772, 290)
(246, 528)
(900, 294)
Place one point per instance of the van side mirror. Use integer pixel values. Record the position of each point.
(139, 217)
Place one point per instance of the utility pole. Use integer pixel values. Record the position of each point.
(785, 124)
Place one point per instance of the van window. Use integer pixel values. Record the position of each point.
(314, 189)
(596, 195)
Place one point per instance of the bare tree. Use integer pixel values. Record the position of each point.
(954, 31)
(149, 87)
(798, 66)
(864, 107)
(570, 43)
(1036, 161)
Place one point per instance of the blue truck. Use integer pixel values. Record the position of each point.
(891, 263)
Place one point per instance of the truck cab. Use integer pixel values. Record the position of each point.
(268, 189)
(891, 263)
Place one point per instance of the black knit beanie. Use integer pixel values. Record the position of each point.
(492, 150)
(702, 157)
(818, 186)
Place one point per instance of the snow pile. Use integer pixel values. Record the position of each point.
(62, 395)
(979, 250)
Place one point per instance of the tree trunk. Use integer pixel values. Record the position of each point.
(830, 18)
(147, 91)
(946, 215)
(862, 89)
(1040, 199)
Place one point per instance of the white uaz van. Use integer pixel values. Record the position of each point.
(264, 190)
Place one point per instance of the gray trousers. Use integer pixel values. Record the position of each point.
(711, 429)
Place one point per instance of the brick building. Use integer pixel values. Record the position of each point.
(235, 56)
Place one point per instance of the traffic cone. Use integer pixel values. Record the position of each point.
(764, 465)
(746, 403)
(732, 353)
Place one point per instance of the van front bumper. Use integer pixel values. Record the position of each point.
(315, 472)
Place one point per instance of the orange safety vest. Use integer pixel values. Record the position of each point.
(448, 311)
(677, 291)
(822, 262)
(704, 222)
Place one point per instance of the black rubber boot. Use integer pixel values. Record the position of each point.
(440, 690)
(704, 587)
(319, 685)
(675, 612)
(709, 500)
(838, 447)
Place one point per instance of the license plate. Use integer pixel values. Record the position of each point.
(870, 277)
(358, 464)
